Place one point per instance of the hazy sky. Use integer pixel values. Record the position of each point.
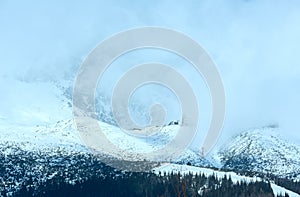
(255, 45)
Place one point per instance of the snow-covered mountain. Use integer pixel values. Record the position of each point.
(42, 131)
(262, 150)
(46, 120)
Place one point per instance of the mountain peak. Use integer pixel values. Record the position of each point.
(262, 150)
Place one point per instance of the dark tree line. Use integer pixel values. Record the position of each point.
(149, 184)
(76, 174)
(290, 182)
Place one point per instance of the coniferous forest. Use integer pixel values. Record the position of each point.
(56, 174)
(150, 184)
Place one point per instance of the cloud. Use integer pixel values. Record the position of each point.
(254, 43)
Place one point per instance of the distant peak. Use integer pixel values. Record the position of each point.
(272, 126)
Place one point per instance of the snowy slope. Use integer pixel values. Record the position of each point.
(262, 150)
(195, 159)
(39, 113)
(64, 133)
(33, 103)
(34, 138)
